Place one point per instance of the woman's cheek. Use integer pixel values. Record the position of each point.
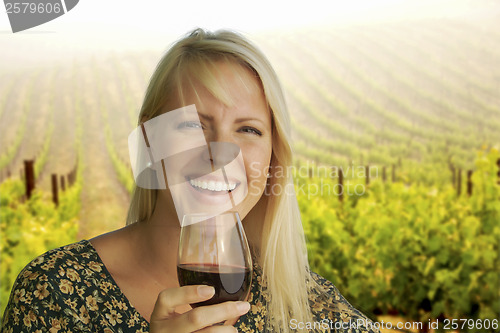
(257, 178)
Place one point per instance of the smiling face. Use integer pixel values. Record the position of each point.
(238, 117)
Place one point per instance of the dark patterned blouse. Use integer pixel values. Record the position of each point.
(70, 290)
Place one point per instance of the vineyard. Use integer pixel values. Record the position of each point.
(396, 127)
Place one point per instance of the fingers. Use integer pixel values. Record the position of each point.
(204, 316)
(231, 321)
(164, 318)
(169, 299)
(218, 329)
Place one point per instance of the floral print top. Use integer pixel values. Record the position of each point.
(70, 290)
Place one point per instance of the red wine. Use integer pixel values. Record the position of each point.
(231, 283)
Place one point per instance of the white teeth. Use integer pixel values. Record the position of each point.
(212, 185)
(218, 187)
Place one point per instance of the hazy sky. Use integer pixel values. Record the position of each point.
(179, 16)
(99, 25)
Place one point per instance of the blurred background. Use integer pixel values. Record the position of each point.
(396, 122)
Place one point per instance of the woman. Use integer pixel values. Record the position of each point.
(126, 280)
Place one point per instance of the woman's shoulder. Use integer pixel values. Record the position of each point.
(61, 270)
(330, 307)
(68, 289)
(64, 262)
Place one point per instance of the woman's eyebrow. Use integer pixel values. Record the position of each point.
(205, 116)
(241, 120)
(238, 120)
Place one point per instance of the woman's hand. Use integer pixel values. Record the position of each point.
(200, 319)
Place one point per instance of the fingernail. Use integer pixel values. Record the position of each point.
(206, 291)
(243, 307)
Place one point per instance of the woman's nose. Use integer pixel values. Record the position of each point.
(218, 135)
(220, 150)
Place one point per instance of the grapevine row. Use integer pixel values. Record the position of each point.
(127, 92)
(42, 156)
(331, 124)
(426, 134)
(31, 228)
(440, 103)
(122, 169)
(395, 121)
(12, 149)
(461, 73)
(5, 95)
(466, 142)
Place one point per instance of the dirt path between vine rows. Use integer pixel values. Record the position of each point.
(104, 200)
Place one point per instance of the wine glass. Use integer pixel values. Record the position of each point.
(213, 251)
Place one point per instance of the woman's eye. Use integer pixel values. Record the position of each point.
(189, 124)
(251, 130)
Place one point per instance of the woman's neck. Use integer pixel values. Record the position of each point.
(156, 240)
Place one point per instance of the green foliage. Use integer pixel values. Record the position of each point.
(417, 249)
(31, 228)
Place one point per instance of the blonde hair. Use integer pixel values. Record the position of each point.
(282, 252)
